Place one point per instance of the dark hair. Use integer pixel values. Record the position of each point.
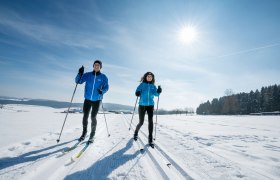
(99, 62)
(144, 78)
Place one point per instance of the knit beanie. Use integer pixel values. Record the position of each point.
(99, 62)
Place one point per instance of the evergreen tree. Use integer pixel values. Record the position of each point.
(266, 100)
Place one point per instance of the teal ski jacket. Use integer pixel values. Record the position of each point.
(147, 93)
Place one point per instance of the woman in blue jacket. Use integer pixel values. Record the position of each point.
(146, 90)
(96, 85)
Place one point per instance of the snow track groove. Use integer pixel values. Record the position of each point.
(57, 165)
(152, 163)
(160, 158)
(201, 151)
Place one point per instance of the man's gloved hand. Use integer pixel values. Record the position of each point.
(81, 70)
(99, 91)
(159, 90)
(137, 93)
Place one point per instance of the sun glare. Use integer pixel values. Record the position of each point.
(188, 34)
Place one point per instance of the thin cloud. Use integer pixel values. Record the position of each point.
(46, 33)
(248, 50)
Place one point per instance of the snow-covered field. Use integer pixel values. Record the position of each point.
(187, 147)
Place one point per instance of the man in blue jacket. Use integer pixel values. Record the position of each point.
(96, 85)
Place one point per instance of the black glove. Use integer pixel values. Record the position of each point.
(159, 90)
(81, 70)
(137, 93)
(99, 91)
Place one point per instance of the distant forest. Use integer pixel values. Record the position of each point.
(266, 100)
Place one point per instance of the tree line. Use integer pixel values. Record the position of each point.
(186, 111)
(265, 100)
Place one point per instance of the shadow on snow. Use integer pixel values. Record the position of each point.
(104, 167)
(31, 156)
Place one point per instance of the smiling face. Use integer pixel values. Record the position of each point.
(149, 78)
(96, 67)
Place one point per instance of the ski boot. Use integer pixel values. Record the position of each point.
(90, 140)
(83, 135)
(82, 138)
(91, 137)
(151, 143)
(135, 137)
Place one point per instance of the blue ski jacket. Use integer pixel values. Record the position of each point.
(147, 93)
(94, 81)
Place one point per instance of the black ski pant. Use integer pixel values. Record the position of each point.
(142, 111)
(94, 105)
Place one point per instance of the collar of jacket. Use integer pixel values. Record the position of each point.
(97, 73)
(148, 82)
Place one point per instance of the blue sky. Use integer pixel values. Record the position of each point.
(43, 44)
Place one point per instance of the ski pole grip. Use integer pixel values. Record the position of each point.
(159, 87)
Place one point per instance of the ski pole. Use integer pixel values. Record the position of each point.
(105, 119)
(133, 113)
(156, 119)
(68, 110)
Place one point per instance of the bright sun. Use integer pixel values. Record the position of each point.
(188, 34)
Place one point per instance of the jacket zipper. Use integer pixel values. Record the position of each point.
(148, 94)
(93, 86)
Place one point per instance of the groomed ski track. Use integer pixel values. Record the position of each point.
(119, 156)
(107, 157)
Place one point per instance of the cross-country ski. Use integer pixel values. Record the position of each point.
(78, 156)
(68, 149)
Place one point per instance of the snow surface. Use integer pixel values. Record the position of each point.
(187, 147)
